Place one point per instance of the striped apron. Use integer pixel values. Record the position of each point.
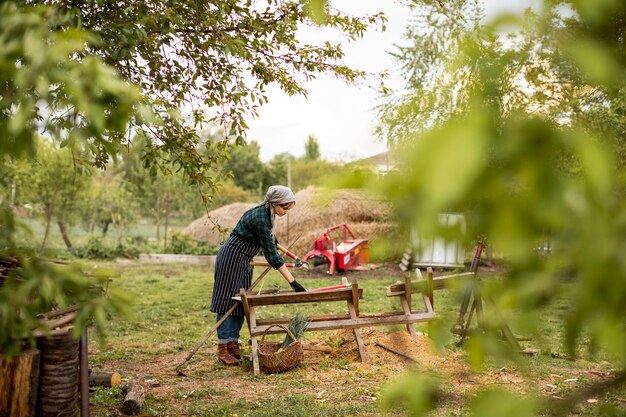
(232, 272)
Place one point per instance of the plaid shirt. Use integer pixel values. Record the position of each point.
(255, 226)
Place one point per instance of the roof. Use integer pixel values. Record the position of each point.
(383, 162)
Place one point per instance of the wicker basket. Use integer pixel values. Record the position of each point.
(274, 361)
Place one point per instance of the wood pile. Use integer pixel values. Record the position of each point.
(7, 264)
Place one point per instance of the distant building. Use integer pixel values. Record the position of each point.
(381, 163)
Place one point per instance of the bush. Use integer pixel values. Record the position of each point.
(182, 243)
(96, 248)
(203, 248)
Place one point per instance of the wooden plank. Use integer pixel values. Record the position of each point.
(430, 287)
(357, 332)
(421, 286)
(407, 292)
(355, 299)
(255, 354)
(285, 320)
(289, 297)
(19, 377)
(397, 318)
(429, 306)
(330, 317)
(407, 310)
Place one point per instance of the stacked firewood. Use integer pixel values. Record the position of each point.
(7, 264)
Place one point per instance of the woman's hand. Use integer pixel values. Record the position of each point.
(296, 286)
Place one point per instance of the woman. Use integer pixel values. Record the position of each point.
(254, 231)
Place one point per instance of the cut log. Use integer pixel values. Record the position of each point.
(19, 377)
(57, 393)
(133, 399)
(104, 379)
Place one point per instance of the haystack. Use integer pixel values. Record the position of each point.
(207, 228)
(315, 211)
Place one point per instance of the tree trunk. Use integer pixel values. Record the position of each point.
(166, 212)
(48, 217)
(64, 234)
(19, 377)
(105, 227)
(157, 219)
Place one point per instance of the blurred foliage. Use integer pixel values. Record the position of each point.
(81, 104)
(519, 124)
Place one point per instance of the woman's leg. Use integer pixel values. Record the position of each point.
(224, 336)
(235, 329)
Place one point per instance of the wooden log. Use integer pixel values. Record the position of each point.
(57, 393)
(104, 379)
(19, 377)
(134, 397)
(56, 313)
(60, 322)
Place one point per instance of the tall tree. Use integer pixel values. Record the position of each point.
(311, 149)
(55, 183)
(246, 167)
(110, 203)
(278, 169)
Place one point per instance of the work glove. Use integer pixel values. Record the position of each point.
(296, 286)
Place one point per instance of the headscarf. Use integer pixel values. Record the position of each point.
(277, 194)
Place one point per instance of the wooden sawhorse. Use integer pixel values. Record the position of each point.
(258, 327)
(352, 320)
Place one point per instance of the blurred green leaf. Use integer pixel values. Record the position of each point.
(498, 403)
(416, 393)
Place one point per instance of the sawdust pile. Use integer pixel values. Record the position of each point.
(315, 211)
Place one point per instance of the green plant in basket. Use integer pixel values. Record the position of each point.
(297, 325)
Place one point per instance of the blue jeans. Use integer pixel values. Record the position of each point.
(229, 330)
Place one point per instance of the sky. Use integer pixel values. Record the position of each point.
(341, 116)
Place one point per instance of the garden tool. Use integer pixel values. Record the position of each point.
(298, 264)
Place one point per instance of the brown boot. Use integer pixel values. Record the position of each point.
(233, 349)
(224, 356)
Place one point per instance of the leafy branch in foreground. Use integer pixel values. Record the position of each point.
(529, 145)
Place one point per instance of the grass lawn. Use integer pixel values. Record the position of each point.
(171, 304)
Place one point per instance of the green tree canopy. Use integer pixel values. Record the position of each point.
(219, 55)
(246, 167)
